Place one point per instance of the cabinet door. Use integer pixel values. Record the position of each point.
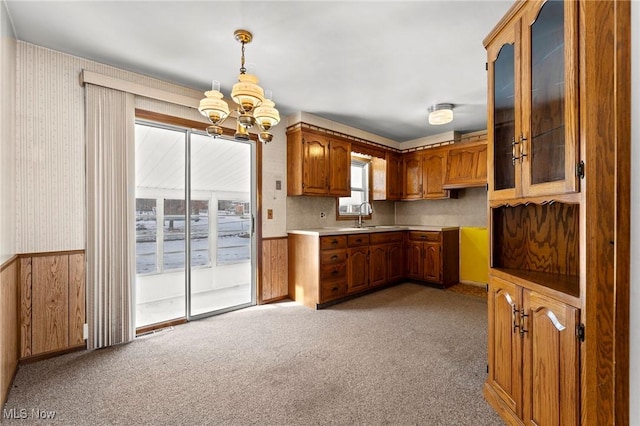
(466, 166)
(505, 344)
(394, 177)
(503, 118)
(358, 269)
(315, 167)
(378, 265)
(433, 168)
(412, 177)
(340, 168)
(549, 77)
(432, 265)
(414, 260)
(551, 372)
(396, 262)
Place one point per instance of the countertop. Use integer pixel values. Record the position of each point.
(342, 230)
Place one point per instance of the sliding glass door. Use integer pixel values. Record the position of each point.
(221, 242)
(195, 261)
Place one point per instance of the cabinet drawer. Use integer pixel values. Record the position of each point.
(333, 270)
(332, 289)
(358, 240)
(333, 242)
(425, 236)
(332, 256)
(385, 237)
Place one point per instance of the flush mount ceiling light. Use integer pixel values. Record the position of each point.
(253, 106)
(440, 114)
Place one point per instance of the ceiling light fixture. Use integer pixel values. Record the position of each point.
(440, 114)
(253, 106)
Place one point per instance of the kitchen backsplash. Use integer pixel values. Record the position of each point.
(304, 212)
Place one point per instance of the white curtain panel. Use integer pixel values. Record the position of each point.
(110, 195)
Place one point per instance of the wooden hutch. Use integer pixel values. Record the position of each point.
(558, 177)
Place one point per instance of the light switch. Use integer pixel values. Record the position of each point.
(278, 185)
(269, 213)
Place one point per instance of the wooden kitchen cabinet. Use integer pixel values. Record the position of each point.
(533, 355)
(433, 256)
(387, 177)
(533, 103)
(466, 165)
(558, 173)
(329, 268)
(317, 164)
(423, 175)
(357, 263)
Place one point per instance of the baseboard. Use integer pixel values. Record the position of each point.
(475, 283)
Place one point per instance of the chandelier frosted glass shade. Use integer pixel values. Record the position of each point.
(247, 93)
(266, 115)
(215, 109)
(440, 114)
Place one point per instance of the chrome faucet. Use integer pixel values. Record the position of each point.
(369, 211)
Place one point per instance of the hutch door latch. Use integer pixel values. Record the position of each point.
(580, 169)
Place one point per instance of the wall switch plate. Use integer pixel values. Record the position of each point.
(278, 185)
(269, 213)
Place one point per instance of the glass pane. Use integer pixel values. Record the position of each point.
(547, 146)
(160, 169)
(174, 232)
(221, 240)
(234, 232)
(351, 205)
(146, 232)
(200, 233)
(504, 118)
(356, 176)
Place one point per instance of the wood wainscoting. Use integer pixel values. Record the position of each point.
(9, 341)
(274, 277)
(52, 303)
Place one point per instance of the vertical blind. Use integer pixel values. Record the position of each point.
(110, 195)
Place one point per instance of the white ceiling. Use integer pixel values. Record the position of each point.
(373, 65)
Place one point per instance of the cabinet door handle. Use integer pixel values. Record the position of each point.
(522, 153)
(514, 144)
(523, 317)
(515, 316)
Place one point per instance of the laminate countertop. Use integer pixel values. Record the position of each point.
(342, 230)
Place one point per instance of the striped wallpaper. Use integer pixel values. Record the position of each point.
(50, 165)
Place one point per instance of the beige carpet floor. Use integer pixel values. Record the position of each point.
(406, 355)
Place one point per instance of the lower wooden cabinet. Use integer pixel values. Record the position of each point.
(533, 356)
(433, 256)
(328, 268)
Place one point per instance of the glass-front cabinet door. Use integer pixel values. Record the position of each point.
(548, 143)
(503, 118)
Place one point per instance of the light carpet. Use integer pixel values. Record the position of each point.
(405, 355)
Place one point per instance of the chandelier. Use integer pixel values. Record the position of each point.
(253, 107)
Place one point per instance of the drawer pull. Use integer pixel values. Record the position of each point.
(335, 271)
(423, 237)
(334, 242)
(334, 257)
(334, 289)
(359, 240)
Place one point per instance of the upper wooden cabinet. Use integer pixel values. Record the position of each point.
(423, 174)
(466, 165)
(317, 164)
(387, 177)
(533, 110)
